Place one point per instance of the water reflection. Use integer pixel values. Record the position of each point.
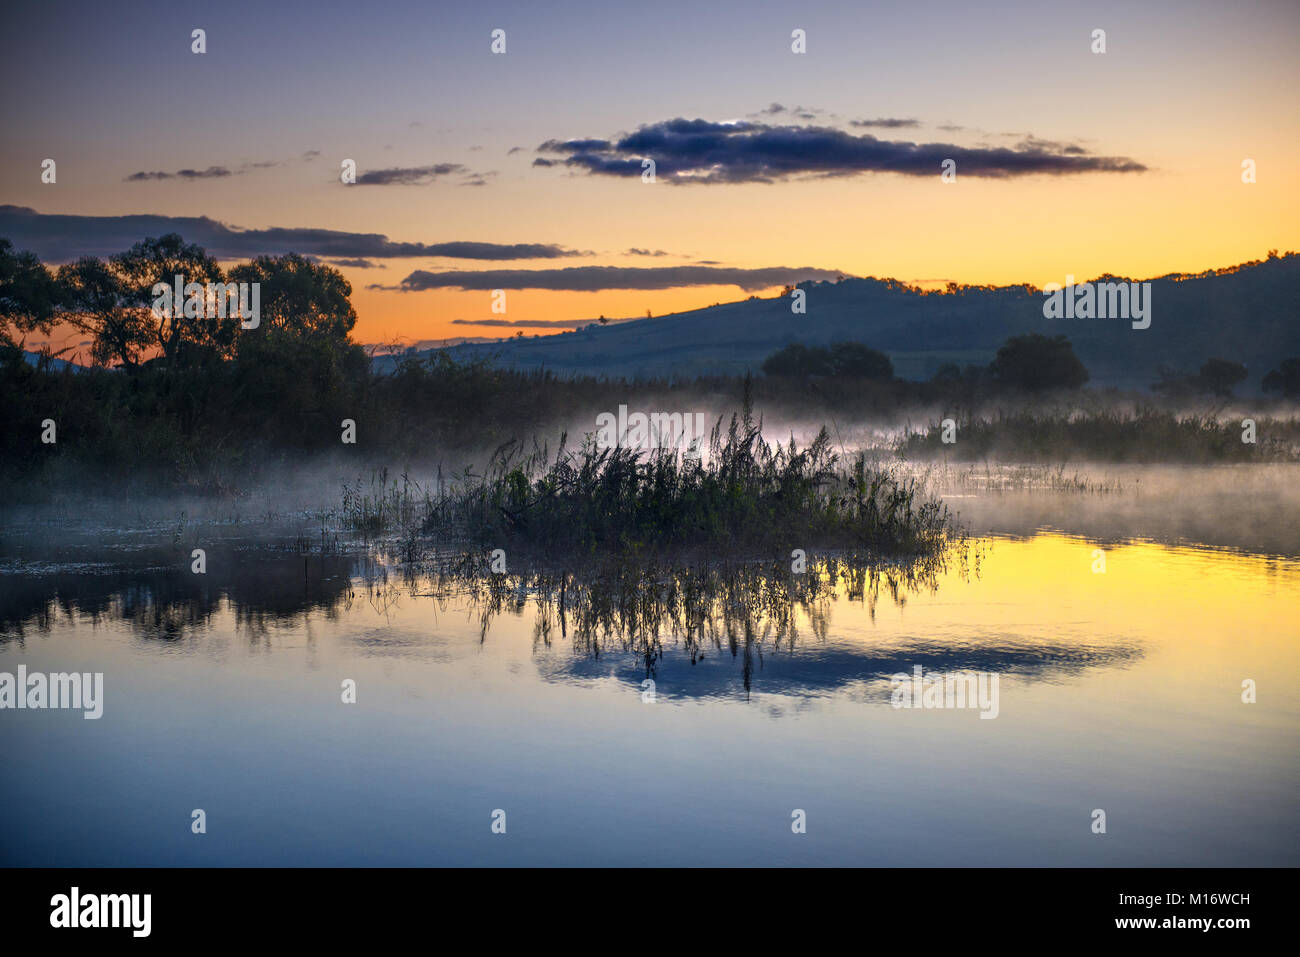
(1119, 690)
(709, 629)
(159, 596)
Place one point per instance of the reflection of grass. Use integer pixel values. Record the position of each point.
(644, 606)
(742, 495)
(1145, 434)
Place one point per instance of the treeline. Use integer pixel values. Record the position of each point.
(190, 399)
(1030, 363)
(170, 393)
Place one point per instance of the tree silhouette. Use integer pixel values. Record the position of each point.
(1037, 363)
(299, 297)
(854, 360)
(1219, 376)
(98, 303)
(29, 293)
(851, 360)
(160, 260)
(1285, 379)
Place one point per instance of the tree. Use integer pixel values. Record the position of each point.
(1038, 363)
(1285, 379)
(1219, 376)
(853, 360)
(29, 294)
(797, 360)
(299, 358)
(98, 303)
(161, 260)
(299, 297)
(857, 361)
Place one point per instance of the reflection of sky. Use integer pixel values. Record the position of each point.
(246, 723)
(1188, 89)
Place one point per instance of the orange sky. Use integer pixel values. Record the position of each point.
(1187, 89)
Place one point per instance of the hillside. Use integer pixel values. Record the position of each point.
(1192, 319)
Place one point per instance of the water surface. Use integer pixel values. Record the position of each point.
(1119, 691)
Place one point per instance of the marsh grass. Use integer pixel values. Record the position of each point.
(1145, 434)
(384, 504)
(741, 497)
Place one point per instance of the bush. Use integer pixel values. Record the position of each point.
(850, 360)
(1037, 363)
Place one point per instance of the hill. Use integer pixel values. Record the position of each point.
(1246, 313)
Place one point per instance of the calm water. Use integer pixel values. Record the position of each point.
(1118, 691)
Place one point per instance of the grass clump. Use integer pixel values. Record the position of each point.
(1144, 434)
(385, 505)
(743, 495)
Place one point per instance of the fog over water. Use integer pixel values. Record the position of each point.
(1118, 688)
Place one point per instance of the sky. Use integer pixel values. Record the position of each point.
(771, 166)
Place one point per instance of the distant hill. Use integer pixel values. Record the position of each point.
(1248, 314)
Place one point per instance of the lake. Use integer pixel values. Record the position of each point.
(1120, 625)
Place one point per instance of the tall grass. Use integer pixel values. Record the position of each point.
(1145, 434)
(741, 495)
(384, 506)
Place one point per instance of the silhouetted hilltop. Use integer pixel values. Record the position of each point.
(1244, 313)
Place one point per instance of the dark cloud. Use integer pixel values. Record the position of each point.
(216, 172)
(212, 172)
(888, 123)
(700, 151)
(573, 146)
(525, 323)
(799, 112)
(634, 251)
(353, 263)
(1031, 142)
(594, 278)
(408, 176)
(60, 238)
(471, 250)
